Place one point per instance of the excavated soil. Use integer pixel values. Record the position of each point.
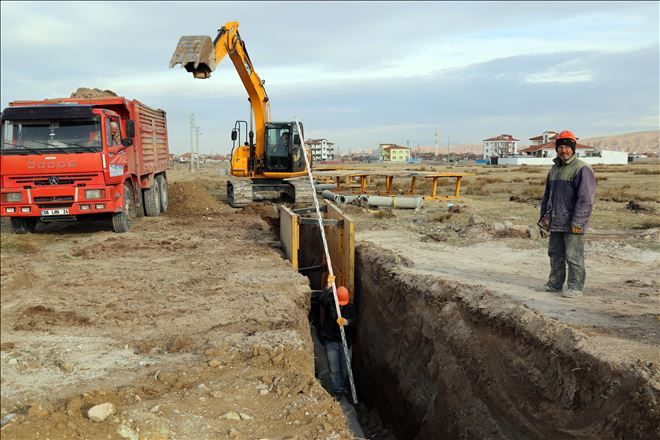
(192, 325)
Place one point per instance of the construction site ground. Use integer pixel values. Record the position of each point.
(194, 326)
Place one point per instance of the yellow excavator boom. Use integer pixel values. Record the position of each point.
(200, 56)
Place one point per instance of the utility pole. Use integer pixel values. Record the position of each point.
(197, 135)
(448, 140)
(435, 139)
(191, 120)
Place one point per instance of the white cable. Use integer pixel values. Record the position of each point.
(330, 271)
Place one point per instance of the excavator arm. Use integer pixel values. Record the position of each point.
(200, 56)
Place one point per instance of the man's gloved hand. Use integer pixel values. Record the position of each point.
(576, 230)
(342, 321)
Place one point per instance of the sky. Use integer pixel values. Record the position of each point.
(356, 73)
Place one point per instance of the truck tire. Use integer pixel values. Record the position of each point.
(139, 204)
(151, 198)
(22, 225)
(162, 190)
(121, 221)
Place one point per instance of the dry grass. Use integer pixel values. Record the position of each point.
(441, 218)
(384, 213)
(20, 244)
(646, 171)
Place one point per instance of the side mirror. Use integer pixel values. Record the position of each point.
(127, 142)
(296, 139)
(234, 135)
(130, 129)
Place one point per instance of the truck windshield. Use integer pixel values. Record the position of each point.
(45, 136)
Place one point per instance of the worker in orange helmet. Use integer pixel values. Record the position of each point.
(331, 336)
(565, 210)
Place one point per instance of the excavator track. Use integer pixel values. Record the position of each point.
(239, 193)
(303, 192)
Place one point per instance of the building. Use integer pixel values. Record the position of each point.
(544, 138)
(322, 150)
(548, 150)
(394, 153)
(500, 146)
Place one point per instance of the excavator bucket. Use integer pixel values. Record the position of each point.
(196, 54)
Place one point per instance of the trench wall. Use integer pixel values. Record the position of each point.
(441, 360)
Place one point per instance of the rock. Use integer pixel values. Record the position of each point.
(124, 431)
(520, 229)
(216, 394)
(231, 415)
(12, 361)
(245, 416)
(37, 411)
(498, 227)
(100, 412)
(65, 366)
(263, 392)
(476, 220)
(534, 232)
(214, 363)
(508, 224)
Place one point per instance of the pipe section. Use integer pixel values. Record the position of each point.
(396, 202)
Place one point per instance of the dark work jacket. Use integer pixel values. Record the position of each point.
(569, 195)
(329, 327)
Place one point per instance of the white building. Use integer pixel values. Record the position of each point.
(544, 138)
(322, 150)
(500, 146)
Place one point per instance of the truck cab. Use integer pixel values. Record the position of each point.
(67, 161)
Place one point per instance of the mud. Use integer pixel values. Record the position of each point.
(445, 359)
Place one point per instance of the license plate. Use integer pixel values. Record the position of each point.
(54, 211)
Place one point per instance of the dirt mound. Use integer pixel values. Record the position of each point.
(187, 198)
(86, 93)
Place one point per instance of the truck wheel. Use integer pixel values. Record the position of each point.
(139, 204)
(162, 187)
(152, 200)
(121, 221)
(22, 225)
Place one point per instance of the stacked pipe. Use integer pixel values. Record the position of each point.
(380, 201)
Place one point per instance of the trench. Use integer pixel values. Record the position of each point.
(434, 359)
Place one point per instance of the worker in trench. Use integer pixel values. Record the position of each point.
(331, 337)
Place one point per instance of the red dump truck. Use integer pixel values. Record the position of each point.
(74, 159)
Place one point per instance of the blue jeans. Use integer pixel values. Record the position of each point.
(334, 351)
(566, 248)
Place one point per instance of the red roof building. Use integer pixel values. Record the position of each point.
(500, 146)
(548, 150)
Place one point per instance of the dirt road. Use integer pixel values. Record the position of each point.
(192, 325)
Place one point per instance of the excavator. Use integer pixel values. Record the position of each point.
(268, 166)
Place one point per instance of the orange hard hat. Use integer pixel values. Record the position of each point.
(566, 138)
(342, 295)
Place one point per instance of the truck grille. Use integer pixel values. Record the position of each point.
(54, 199)
(63, 179)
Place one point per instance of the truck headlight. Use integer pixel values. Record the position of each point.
(13, 197)
(94, 193)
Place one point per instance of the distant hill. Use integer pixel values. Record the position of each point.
(639, 142)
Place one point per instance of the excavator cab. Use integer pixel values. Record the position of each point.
(283, 152)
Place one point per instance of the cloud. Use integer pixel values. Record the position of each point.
(357, 73)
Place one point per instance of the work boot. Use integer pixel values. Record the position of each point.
(571, 293)
(548, 288)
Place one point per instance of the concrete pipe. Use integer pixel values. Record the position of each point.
(320, 187)
(345, 199)
(330, 195)
(396, 202)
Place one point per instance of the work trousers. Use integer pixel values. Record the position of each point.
(566, 248)
(334, 350)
